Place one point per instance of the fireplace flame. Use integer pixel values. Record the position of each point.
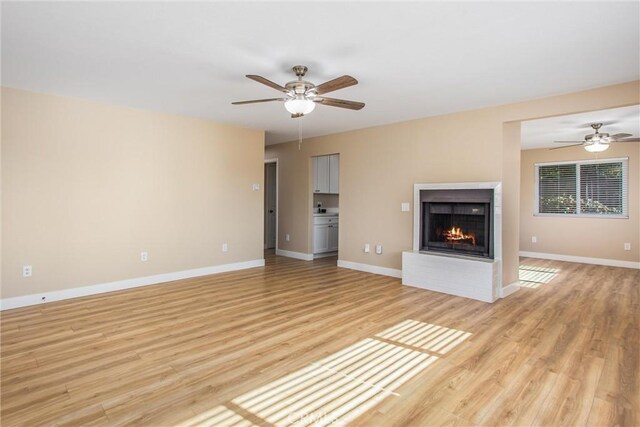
(456, 235)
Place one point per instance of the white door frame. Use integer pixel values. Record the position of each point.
(277, 195)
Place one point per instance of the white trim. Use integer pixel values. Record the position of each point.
(584, 161)
(33, 299)
(582, 260)
(509, 289)
(625, 189)
(368, 268)
(603, 216)
(296, 255)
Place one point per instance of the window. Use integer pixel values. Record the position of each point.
(582, 188)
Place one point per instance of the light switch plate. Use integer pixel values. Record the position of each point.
(404, 206)
(367, 248)
(378, 249)
(255, 187)
(627, 246)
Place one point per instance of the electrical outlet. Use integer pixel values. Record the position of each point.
(534, 239)
(27, 271)
(404, 206)
(255, 187)
(367, 248)
(225, 247)
(627, 246)
(287, 237)
(378, 249)
(144, 256)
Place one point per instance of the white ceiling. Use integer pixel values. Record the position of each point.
(542, 132)
(412, 59)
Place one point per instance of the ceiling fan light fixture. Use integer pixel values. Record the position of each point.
(596, 147)
(299, 105)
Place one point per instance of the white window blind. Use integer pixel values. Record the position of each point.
(584, 188)
(557, 189)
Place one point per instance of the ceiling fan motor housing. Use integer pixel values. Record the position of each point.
(299, 86)
(596, 136)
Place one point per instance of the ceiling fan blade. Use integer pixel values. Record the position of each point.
(620, 135)
(267, 82)
(627, 140)
(253, 101)
(342, 103)
(566, 146)
(335, 84)
(569, 142)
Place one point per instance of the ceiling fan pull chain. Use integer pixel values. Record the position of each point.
(299, 134)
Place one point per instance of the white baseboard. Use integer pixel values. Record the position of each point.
(26, 300)
(582, 260)
(296, 255)
(509, 289)
(325, 255)
(368, 268)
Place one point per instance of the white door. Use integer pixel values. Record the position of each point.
(320, 238)
(270, 205)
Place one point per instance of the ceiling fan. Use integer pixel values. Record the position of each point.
(598, 141)
(302, 96)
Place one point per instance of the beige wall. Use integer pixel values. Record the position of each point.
(87, 186)
(378, 167)
(586, 237)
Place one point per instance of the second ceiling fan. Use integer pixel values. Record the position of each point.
(598, 141)
(302, 96)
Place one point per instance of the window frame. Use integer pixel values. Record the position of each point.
(578, 214)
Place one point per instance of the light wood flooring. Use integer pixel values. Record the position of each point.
(307, 342)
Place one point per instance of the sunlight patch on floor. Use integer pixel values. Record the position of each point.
(218, 416)
(425, 336)
(342, 386)
(532, 277)
(338, 388)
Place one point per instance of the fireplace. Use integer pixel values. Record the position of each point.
(457, 222)
(457, 240)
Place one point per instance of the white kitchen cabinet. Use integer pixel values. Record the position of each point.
(326, 174)
(325, 234)
(334, 173)
(320, 238)
(333, 238)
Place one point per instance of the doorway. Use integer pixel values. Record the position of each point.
(270, 204)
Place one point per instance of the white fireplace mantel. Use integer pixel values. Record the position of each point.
(469, 277)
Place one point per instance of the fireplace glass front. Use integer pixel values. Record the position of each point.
(457, 226)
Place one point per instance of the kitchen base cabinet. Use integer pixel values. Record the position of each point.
(333, 237)
(320, 238)
(325, 234)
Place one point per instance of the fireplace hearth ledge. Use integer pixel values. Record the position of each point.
(468, 277)
(465, 276)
